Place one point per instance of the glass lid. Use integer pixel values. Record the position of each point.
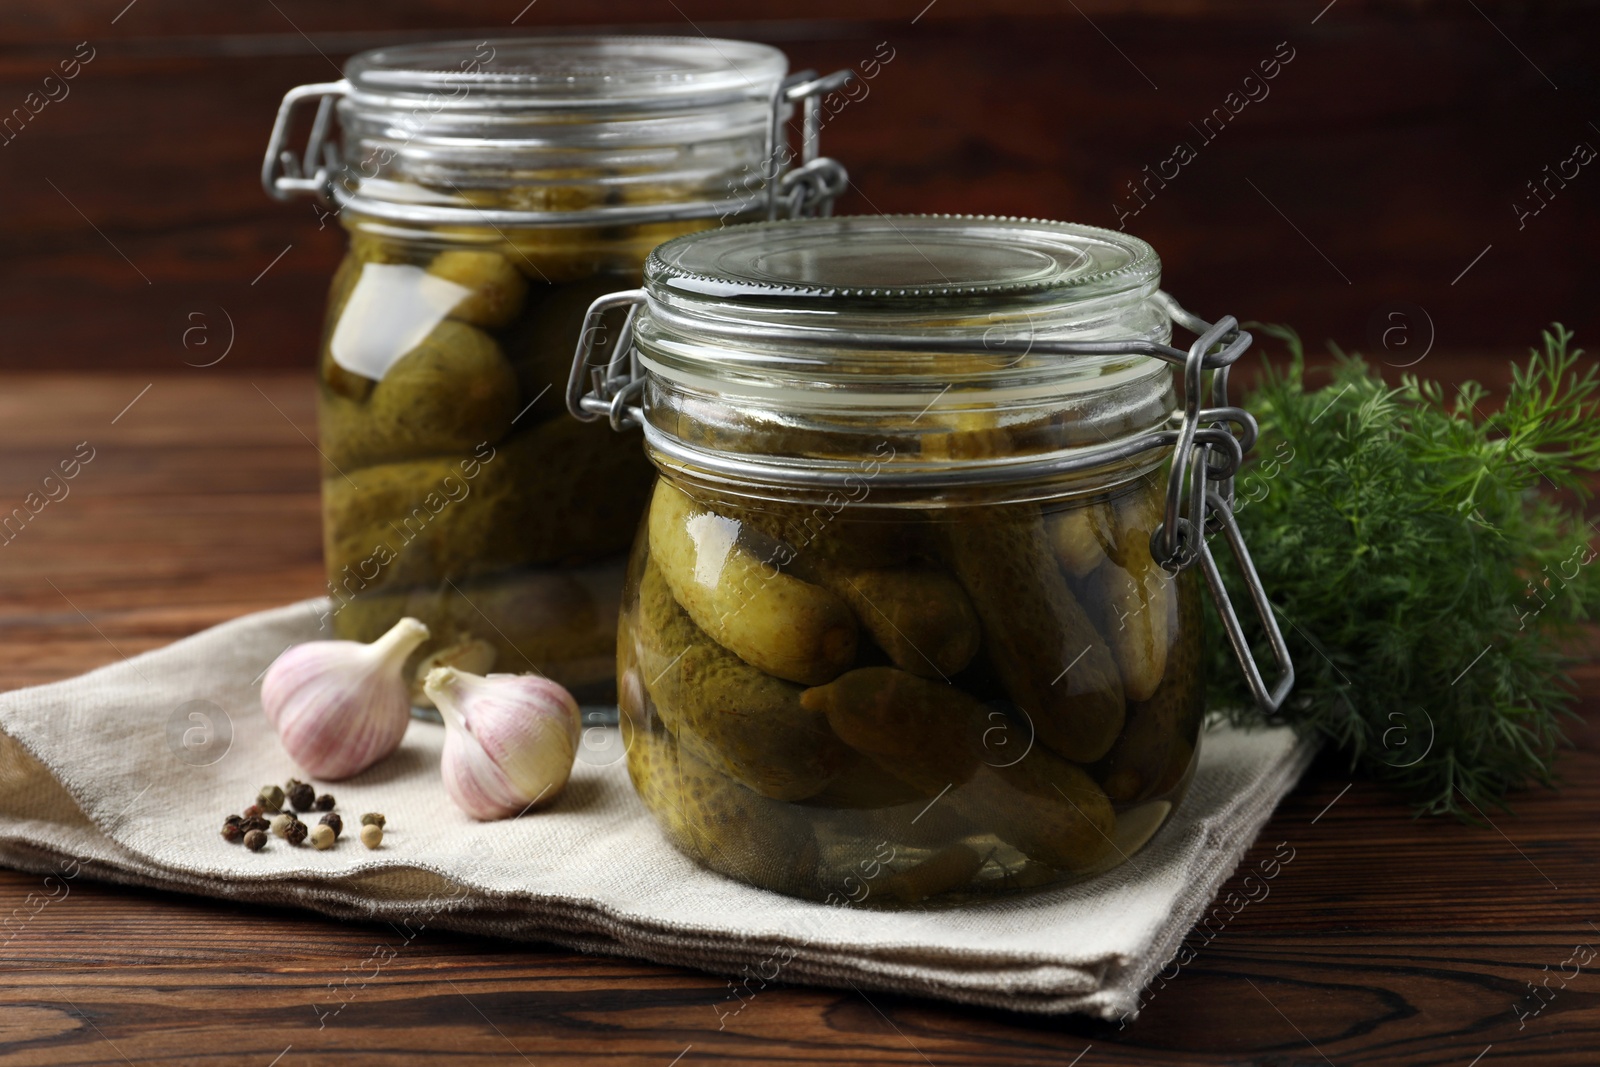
(895, 262)
(573, 72)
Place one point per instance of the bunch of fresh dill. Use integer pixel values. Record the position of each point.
(1427, 575)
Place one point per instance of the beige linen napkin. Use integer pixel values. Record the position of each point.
(125, 774)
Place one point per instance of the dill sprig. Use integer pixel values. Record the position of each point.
(1428, 577)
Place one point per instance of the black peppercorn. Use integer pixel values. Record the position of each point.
(332, 820)
(233, 829)
(296, 832)
(253, 811)
(301, 796)
(325, 802)
(255, 840)
(257, 823)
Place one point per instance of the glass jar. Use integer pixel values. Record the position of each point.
(490, 192)
(912, 614)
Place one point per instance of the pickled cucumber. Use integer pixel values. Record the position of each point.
(1138, 758)
(1081, 536)
(862, 785)
(1138, 617)
(922, 732)
(1138, 598)
(818, 534)
(920, 616)
(497, 288)
(774, 621)
(1047, 808)
(719, 822)
(744, 723)
(950, 868)
(582, 486)
(427, 520)
(1153, 750)
(1052, 660)
(418, 522)
(451, 393)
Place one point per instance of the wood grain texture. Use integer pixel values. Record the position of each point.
(1385, 941)
(1386, 160)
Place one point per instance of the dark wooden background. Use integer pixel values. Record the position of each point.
(1389, 154)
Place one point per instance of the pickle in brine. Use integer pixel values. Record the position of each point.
(743, 722)
(496, 289)
(1155, 746)
(1047, 652)
(1047, 808)
(1137, 598)
(919, 616)
(948, 869)
(922, 732)
(719, 822)
(451, 393)
(1081, 536)
(787, 627)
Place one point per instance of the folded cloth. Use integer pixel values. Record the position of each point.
(125, 774)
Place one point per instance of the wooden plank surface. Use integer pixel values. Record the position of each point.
(1385, 941)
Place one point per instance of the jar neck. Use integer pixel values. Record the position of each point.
(524, 147)
(909, 422)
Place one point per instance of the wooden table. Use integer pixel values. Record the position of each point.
(1384, 941)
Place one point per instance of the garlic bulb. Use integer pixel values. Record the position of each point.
(341, 706)
(509, 739)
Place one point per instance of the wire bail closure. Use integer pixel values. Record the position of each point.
(284, 174)
(1208, 444)
(804, 191)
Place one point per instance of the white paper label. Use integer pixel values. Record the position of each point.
(392, 308)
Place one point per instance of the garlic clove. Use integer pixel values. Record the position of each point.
(509, 742)
(470, 653)
(341, 706)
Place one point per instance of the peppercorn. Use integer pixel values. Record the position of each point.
(373, 818)
(296, 832)
(322, 836)
(233, 829)
(271, 798)
(332, 819)
(257, 823)
(372, 835)
(280, 823)
(325, 802)
(253, 812)
(301, 795)
(255, 840)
